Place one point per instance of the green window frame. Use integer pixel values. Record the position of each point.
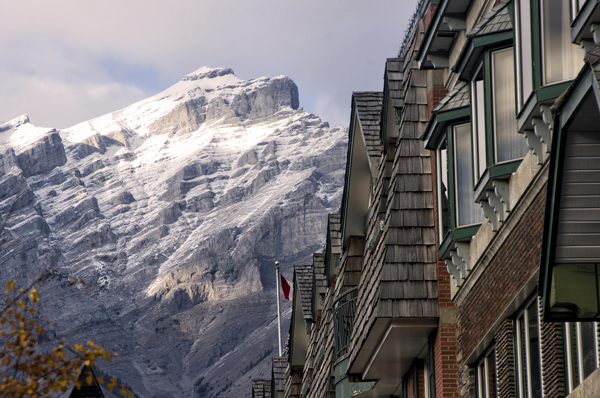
(499, 131)
(543, 74)
(456, 195)
(527, 349)
(580, 348)
(486, 375)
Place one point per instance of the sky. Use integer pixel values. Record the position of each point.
(67, 61)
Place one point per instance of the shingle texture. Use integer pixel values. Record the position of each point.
(399, 274)
(458, 98)
(261, 388)
(368, 107)
(304, 281)
(394, 76)
(279, 367)
(497, 20)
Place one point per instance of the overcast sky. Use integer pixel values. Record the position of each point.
(66, 61)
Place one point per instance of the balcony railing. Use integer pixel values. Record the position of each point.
(344, 309)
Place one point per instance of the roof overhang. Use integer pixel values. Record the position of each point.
(357, 192)
(389, 351)
(298, 335)
(579, 110)
(436, 126)
(470, 56)
(448, 20)
(581, 28)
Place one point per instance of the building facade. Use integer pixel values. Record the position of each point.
(465, 258)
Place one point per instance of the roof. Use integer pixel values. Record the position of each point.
(304, 280)
(279, 367)
(459, 97)
(335, 232)
(261, 388)
(395, 76)
(368, 108)
(592, 61)
(497, 20)
(87, 389)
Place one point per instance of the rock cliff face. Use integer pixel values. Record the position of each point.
(173, 211)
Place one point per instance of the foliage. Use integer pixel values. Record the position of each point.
(27, 369)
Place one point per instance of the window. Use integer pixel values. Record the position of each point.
(523, 50)
(486, 377)
(581, 352)
(429, 369)
(543, 45)
(527, 353)
(442, 188)
(455, 175)
(495, 130)
(480, 162)
(562, 59)
(508, 144)
(467, 213)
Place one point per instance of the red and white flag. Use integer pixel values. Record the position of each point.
(285, 286)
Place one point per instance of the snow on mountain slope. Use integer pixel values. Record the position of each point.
(173, 210)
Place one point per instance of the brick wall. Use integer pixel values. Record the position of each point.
(429, 16)
(436, 94)
(512, 266)
(552, 358)
(446, 368)
(505, 360)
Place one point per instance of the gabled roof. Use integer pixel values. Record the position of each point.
(495, 21)
(87, 389)
(333, 246)
(368, 108)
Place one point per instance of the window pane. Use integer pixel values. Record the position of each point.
(588, 347)
(442, 188)
(479, 131)
(562, 58)
(509, 144)
(535, 371)
(467, 211)
(526, 60)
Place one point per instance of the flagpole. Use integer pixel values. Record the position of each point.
(278, 309)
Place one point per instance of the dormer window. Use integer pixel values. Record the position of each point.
(547, 59)
(495, 130)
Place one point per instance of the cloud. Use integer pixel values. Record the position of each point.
(329, 48)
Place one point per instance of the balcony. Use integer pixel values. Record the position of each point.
(344, 310)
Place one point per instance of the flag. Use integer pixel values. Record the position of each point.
(285, 286)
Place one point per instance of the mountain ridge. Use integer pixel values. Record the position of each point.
(173, 211)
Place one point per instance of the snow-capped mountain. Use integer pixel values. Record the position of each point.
(173, 210)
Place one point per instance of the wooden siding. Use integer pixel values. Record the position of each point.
(578, 234)
(399, 277)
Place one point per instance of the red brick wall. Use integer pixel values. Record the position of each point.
(513, 265)
(446, 368)
(429, 15)
(436, 94)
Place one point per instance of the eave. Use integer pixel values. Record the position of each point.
(389, 351)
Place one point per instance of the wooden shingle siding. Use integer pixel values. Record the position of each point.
(399, 277)
(278, 374)
(579, 215)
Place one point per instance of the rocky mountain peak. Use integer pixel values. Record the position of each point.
(173, 210)
(206, 72)
(14, 123)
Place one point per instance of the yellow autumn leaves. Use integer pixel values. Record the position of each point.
(32, 367)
